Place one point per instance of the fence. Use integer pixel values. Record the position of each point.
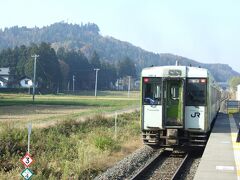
(232, 106)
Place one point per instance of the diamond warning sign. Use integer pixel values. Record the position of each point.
(27, 173)
(27, 160)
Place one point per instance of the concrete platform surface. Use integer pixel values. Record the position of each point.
(221, 157)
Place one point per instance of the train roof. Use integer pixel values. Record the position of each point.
(175, 71)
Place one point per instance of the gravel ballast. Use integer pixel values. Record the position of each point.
(126, 167)
(130, 165)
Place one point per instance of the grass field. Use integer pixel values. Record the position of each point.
(62, 145)
(107, 98)
(50, 109)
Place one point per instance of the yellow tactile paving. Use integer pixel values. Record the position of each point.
(234, 135)
(236, 145)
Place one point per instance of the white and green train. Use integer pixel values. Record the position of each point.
(179, 104)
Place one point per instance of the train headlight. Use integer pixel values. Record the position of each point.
(145, 80)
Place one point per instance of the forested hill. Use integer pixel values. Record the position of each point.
(87, 38)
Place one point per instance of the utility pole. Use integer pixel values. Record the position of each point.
(129, 83)
(96, 81)
(73, 83)
(34, 75)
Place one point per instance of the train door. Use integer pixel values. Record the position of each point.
(173, 102)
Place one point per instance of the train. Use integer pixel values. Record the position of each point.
(178, 105)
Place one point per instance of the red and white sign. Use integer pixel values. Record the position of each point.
(27, 160)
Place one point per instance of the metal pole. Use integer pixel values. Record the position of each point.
(58, 89)
(73, 82)
(117, 85)
(129, 80)
(34, 75)
(115, 132)
(29, 133)
(29, 143)
(96, 81)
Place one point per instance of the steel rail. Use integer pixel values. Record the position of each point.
(151, 163)
(180, 168)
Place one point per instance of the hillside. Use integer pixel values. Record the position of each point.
(88, 39)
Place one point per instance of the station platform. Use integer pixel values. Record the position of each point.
(221, 157)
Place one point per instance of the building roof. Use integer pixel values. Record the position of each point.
(3, 80)
(4, 71)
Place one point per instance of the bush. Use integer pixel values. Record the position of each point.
(105, 143)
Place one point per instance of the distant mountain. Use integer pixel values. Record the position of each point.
(86, 37)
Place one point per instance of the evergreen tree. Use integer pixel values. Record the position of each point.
(126, 68)
(107, 76)
(48, 75)
(95, 60)
(233, 82)
(78, 67)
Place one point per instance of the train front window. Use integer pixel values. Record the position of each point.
(196, 92)
(152, 90)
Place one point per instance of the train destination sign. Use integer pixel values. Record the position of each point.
(174, 72)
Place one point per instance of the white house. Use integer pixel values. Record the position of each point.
(26, 82)
(123, 83)
(3, 83)
(4, 76)
(238, 93)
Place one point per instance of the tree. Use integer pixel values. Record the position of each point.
(79, 67)
(48, 75)
(95, 60)
(126, 68)
(233, 82)
(57, 70)
(107, 76)
(64, 68)
(22, 58)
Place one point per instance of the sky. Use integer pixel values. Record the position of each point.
(207, 31)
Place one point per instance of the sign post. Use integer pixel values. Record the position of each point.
(115, 132)
(29, 133)
(27, 160)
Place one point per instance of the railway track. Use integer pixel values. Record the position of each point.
(166, 165)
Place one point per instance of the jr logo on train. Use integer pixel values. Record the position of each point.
(196, 114)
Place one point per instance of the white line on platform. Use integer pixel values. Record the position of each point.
(225, 142)
(225, 168)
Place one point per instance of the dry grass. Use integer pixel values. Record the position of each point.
(31, 113)
(42, 116)
(108, 160)
(39, 115)
(48, 110)
(80, 150)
